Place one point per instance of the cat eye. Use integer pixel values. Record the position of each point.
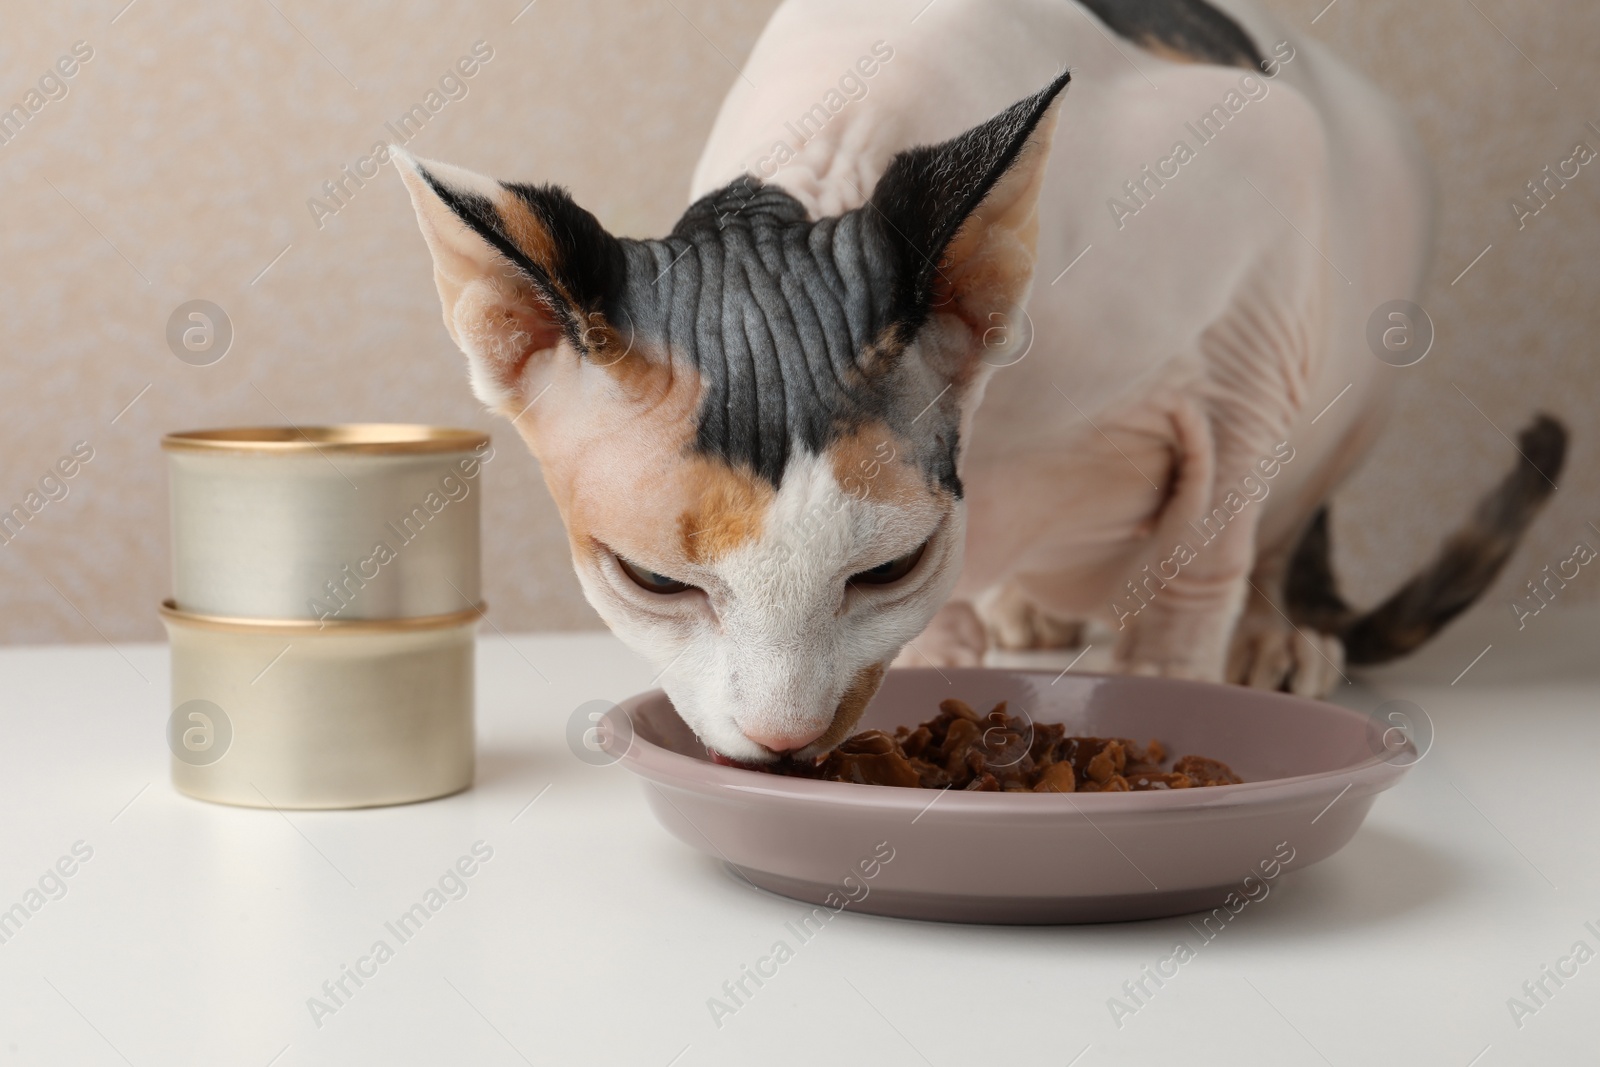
(650, 581)
(892, 571)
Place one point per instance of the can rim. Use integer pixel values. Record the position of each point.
(373, 438)
(170, 612)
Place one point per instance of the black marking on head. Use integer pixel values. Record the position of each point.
(776, 311)
(580, 270)
(1191, 27)
(794, 324)
(927, 193)
(589, 262)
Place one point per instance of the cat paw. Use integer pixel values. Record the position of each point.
(1272, 654)
(1015, 623)
(955, 638)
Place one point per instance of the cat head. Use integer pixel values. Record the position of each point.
(753, 426)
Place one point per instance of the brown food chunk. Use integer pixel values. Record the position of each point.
(1116, 783)
(1108, 762)
(959, 708)
(1056, 778)
(999, 752)
(871, 757)
(1206, 771)
(1160, 780)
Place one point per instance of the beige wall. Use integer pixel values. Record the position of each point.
(180, 163)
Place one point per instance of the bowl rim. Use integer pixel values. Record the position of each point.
(662, 766)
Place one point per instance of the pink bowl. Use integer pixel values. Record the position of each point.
(1311, 773)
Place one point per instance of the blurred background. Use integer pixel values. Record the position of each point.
(186, 154)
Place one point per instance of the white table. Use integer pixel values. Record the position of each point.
(195, 934)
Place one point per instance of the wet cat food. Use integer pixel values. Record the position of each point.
(998, 752)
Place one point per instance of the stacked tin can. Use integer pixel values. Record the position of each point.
(326, 592)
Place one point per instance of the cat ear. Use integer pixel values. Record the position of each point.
(521, 270)
(960, 218)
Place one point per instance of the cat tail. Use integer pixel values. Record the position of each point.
(1463, 569)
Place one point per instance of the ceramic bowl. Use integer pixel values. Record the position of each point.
(1312, 771)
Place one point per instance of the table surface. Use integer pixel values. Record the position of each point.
(198, 934)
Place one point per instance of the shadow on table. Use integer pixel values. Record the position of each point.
(1382, 877)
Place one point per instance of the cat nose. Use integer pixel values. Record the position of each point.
(781, 740)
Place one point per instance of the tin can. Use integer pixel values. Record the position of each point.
(303, 714)
(359, 521)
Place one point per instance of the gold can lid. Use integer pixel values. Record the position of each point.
(371, 438)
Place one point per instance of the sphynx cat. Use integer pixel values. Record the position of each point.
(946, 355)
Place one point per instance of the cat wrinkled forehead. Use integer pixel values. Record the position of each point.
(781, 316)
(798, 332)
